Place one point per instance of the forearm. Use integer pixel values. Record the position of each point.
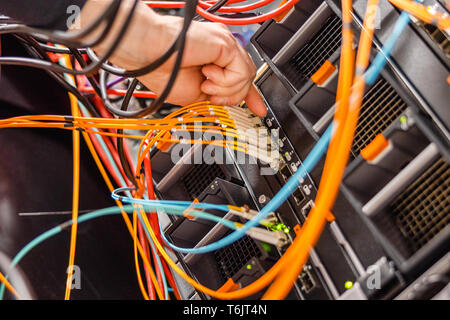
(142, 42)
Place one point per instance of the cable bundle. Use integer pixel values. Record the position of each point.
(95, 119)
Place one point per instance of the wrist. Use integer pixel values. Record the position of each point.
(138, 43)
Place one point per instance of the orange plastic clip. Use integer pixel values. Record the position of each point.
(164, 145)
(324, 72)
(186, 212)
(374, 148)
(297, 229)
(280, 17)
(330, 217)
(228, 286)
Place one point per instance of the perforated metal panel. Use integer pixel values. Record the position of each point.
(233, 257)
(380, 107)
(423, 209)
(314, 53)
(199, 177)
(440, 37)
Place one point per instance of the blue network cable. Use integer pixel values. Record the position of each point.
(100, 213)
(381, 58)
(309, 163)
(183, 204)
(319, 149)
(106, 151)
(290, 186)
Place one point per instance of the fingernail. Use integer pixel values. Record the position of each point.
(211, 90)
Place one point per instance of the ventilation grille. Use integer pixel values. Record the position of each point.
(233, 257)
(423, 209)
(441, 38)
(201, 176)
(380, 107)
(314, 53)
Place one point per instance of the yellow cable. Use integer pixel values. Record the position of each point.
(336, 160)
(136, 261)
(8, 286)
(125, 217)
(418, 10)
(75, 198)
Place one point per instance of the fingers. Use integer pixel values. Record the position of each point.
(185, 90)
(222, 77)
(251, 97)
(211, 88)
(230, 79)
(255, 102)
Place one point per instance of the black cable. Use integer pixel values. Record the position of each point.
(83, 64)
(213, 9)
(91, 69)
(157, 103)
(64, 37)
(81, 44)
(120, 150)
(59, 78)
(158, 62)
(144, 70)
(126, 101)
(53, 49)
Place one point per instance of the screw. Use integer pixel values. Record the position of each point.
(263, 199)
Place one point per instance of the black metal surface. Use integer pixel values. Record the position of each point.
(36, 176)
(232, 258)
(423, 209)
(314, 53)
(380, 107)
(199, 177)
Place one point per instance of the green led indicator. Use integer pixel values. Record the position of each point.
(286, 154)
(266, 247)
(279, 227)
(348, 285)
(403, 119)
(249, 267)
(286, 230)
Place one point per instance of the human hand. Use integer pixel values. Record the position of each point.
(214, 67)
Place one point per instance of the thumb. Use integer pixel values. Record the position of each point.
(255, 102)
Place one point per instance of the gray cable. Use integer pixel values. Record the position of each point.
(17, 278)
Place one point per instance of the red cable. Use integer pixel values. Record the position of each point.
(151, 195)
(120, 92)
(142, 239)
(104, 158)
(144, 245)
(171, 280)
(242, 21)
(102, 109)
(238, 9)
(116, 158)
(98, 102)
(207, 5)
(155, 223)
(153, 217)
(106, 114)
(158, 272)
(180, 4)
(110, 145)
